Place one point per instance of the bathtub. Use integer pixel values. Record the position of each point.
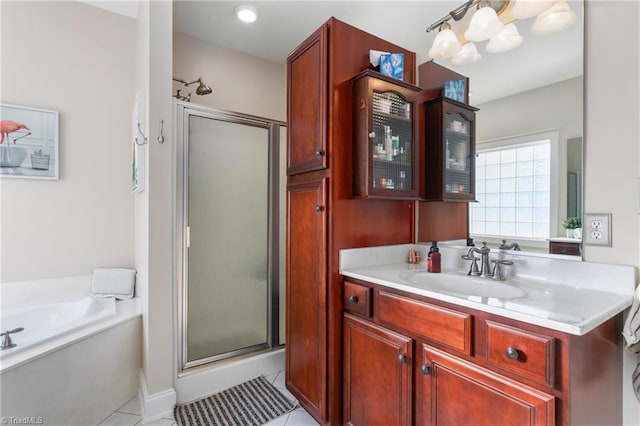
(77, 359)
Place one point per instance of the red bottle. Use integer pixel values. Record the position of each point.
(433, 258)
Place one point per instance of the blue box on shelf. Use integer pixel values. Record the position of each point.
(392, 65)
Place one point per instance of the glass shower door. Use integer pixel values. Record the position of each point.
(227, 258)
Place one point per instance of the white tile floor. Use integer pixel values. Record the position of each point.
(129, 414)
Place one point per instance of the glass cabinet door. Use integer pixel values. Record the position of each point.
(391, 142)
(384, 129)
(457, 155)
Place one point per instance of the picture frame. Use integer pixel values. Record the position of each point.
(455, 89)
(29, 145)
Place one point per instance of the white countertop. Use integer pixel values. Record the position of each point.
(555, 301)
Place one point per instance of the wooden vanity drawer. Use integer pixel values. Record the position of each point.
(521, 352)
(442, 325)
(357, 299)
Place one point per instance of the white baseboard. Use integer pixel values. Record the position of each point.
(196, 385)
(157, 405)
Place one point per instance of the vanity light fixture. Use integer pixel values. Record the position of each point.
(495, 20)
(246, 13)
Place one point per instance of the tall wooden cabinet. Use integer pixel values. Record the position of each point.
(323, 216)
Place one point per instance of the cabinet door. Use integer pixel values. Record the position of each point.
(456, 392)
(450, 150)
(385, 160)
(306, 294)
(307, 105)
(377, 375)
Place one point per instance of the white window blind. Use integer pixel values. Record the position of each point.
(513, 189)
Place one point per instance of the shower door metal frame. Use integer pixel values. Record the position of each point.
(184, 111)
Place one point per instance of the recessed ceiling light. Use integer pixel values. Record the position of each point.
(246, 13)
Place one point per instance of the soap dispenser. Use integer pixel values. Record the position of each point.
(433, 258)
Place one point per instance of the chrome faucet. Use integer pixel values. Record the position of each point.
(485, 268)
(505, 246)
(7, 343)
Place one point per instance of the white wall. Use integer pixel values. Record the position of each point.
(612, 148)
(78, 60)
(154, 208)
(240, 82)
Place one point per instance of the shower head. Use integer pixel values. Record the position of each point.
(202, 88)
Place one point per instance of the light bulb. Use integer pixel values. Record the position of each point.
(559, 17)
(467, 55)
(446, 44)
(246, 13)
(505, 40)
(484, 25)
(523, 9)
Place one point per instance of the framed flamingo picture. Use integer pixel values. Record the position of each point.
(28, 142)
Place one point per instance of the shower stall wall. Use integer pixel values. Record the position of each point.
(230, 231)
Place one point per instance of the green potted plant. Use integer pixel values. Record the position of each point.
(571, 224)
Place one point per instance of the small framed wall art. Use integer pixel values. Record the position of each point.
(28, 142)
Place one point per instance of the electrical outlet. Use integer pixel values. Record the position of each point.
(597, 229)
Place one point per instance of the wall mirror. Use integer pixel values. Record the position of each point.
(529, 138)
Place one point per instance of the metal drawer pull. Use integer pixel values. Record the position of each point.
(319, 208)
(511, 353)
(425, 369)
(353, 299)
(319, 153)
(402, 358)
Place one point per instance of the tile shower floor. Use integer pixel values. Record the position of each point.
(129, 413)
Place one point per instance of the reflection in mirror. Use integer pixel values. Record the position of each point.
(529, 154)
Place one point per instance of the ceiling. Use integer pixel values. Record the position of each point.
(282, 25)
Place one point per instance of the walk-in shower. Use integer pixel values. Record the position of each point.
(230, 233)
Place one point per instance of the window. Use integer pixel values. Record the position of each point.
(515, 182)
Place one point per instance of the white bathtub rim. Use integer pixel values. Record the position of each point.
(126, 310)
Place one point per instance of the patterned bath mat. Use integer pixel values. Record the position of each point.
(251, 403)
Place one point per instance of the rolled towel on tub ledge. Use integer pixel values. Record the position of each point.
(113, 282)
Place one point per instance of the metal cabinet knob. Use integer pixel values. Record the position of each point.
(319, 208)
(511, 353)
(402, 358)
(353, 299)
(372, 135)
(319, 153)
(425, 369)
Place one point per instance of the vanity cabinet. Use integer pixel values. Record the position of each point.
(470, 367)
(385, 156)
(450, 133)
(378, 370)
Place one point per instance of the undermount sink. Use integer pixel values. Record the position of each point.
(463, 285)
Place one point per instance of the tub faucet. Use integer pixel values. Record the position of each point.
(7, 343)
(505, 246)
(485, 268)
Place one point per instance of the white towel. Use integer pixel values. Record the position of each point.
(113, 282)
(631, 329)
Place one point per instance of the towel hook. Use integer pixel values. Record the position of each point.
(144, 138)
(161, 137)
